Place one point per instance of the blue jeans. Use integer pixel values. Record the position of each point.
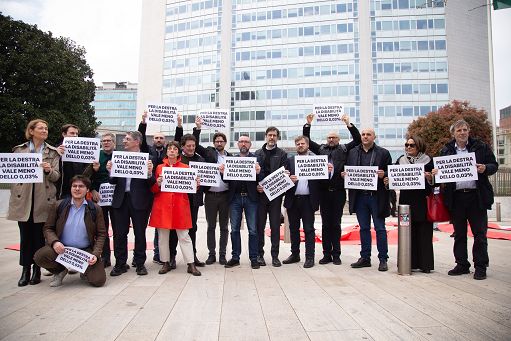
(366, 206)
(238, 204)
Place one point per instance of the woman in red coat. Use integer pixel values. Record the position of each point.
(171, 211)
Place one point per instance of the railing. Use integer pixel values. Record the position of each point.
(501, 182)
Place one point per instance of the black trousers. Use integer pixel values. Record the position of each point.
(121, 225)
(216, 204)
(422, 245)
(107, 210)
(302, 209)
(331, 204)
(273, 209)
(173, 240)
(466, 207)
(31, 240)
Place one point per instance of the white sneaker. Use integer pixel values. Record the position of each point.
(57, 279)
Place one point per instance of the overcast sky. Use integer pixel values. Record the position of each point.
(109, 31)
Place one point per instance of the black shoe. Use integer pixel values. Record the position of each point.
(165, 268)
(261, 261)
(133, 264)
(453, 235)
(232, 263)
(459, 270)
(107, 263)
(172, 262)
(480, 273)
(293, 258)
(119, 270)
(193, 270)
(383, 265)
(25, 276)
(309, 263)
(222, 260)
(141, 270)
(254, 264)
(325, 260)
(156, 260)
(276, 262)
(197, 262)
(336, 260)
(426, 271)
(361, 263)
(36, 275)
(211, 259)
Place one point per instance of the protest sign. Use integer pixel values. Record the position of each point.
(207, 172)
(311, 167)
(406, 176)
(81, 149)
(21, 168)
(159, 113)
(75, 259)
(179, 180)
(240, 168)
(276, 183)
(129, 165)
(328, 114)
(456, 168)
(106, 193)
(361, 177)
(216, 119)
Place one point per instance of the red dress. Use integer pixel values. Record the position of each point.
(170, 210)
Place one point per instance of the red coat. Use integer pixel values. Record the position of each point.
(170, 210)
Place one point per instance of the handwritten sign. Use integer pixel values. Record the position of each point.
(406, 176)
(129, 165)
(361, 177)
(180, 180)
(162, 113)
(328, 114)
(311, 167)
(456, 168)
(106, 193)
(21, 168)
(208, 173)
(81, 149)
(216, 119)
(75, 259)
(240, 168)
(276, 183)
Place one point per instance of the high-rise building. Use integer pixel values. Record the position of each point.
(115, 105)
(270, 61)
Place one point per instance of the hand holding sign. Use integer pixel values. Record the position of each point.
(162, 113)
(455, 168)
(276, 183)
(329, 114)
(22, 168)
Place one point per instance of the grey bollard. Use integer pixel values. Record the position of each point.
(497, 211)
(404, 246)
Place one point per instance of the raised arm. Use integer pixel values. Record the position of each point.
(142, 127)
(355, 134)
(306, 131)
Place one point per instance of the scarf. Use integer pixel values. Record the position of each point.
(409, 160)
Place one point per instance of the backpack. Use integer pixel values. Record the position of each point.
(66, 202)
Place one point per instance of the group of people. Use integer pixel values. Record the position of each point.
(47, 226)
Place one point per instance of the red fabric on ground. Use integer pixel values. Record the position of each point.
(491, 234)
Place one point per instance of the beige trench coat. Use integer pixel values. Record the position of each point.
(45, 192)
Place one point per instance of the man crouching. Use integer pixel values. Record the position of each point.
(78, 223)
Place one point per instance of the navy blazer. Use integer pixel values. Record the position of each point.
(313, 189)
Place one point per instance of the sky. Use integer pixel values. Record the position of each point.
(110, 29)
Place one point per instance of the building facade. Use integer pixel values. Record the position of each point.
(504, 138)
(268, 62)
(115, 105)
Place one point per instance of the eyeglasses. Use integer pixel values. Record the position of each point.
(78, 186)
(104, 141)
(219, 141)
(411, 145)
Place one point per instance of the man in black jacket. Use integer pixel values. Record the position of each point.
(367, 204)
(333, 194)
(68, 169)
(270, 158)
(470, 200)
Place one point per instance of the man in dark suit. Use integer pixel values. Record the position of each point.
(132, 199)
(301, 202)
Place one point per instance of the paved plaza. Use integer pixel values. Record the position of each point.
(326, 302)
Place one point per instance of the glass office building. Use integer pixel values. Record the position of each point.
(269, 61)
(115, 105)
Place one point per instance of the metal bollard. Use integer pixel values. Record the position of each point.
(287, 234)
(404, 246)
(497, 211)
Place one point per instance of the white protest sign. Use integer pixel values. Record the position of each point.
(179, 180)
(81, 149)
(456, 168)
(129, 165)
(216, 119)
(361, 177)
(21, 168)
(106, 193)
(276, 183)
(75, 259)
(328, 114)
(207, 172)
(240, 168)
(311, 167)
(406, 176)
(160, 113)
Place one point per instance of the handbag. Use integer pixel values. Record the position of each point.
(437, 211)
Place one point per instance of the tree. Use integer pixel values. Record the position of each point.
(434, 128)
(42, 77)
